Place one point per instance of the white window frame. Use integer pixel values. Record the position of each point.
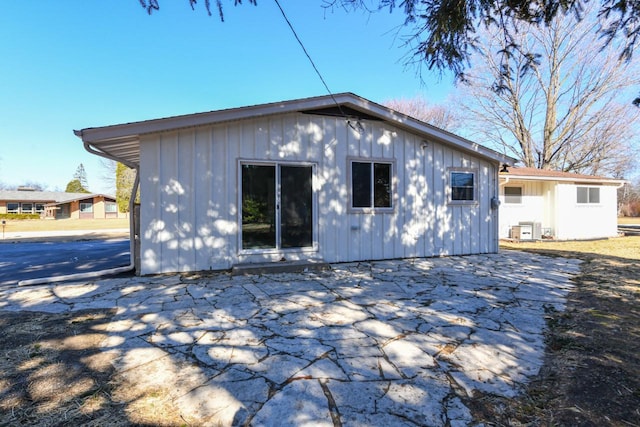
(26, 211)
(15, 210)
(588, 194)
(472, 171)
(315, 208)
(84, 204)
(506, 197)
(110, 207)
(392, 191)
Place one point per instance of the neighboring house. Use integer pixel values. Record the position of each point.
(332, 178)
(59, 205)
(539, 204)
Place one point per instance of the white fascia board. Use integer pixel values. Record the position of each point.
(578, 180)
(129, 130)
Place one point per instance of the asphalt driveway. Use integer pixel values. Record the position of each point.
(29, 260)
(400, 342)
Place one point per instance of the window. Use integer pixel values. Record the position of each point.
(278, 207)
(13, 208)
(39, 207)
(86, 207)
(588, 194)
(26, 208)
(111, 207)
(463, 187)
(513, 195)
(371, 185)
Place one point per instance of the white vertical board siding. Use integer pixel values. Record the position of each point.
(190, 217)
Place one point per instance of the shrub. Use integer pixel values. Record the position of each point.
(14, 216)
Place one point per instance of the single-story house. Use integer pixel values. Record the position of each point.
(59, 205)
(538, 204)
(332, 178)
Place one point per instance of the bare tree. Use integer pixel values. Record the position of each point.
(109, 173)
(560, 101)
(629, 199)
(419, 108)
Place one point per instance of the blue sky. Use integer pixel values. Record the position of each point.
(82, 63)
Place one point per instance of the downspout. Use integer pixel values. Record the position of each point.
(495, 207)
(132, 199)
(132, 236)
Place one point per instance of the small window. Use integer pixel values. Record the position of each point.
(39, 207)
(513, 195)
(26, 208)
(86, 207)
(371, 185)
(111, 207)
(463, 187)
(13, 208)
(589, 195)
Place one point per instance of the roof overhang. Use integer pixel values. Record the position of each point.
(122, 142)
(579, 179)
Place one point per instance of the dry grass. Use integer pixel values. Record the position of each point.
(628, 220)
(591, 374)
(622, 247)
(65, 224)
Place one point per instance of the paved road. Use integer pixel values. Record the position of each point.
(22, 261)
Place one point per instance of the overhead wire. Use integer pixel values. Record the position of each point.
(313, 64)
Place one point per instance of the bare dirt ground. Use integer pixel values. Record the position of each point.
(52, 372)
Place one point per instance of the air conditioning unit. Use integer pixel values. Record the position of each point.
(530, 230)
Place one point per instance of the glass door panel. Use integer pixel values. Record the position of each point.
(296, 208)
(258, 207)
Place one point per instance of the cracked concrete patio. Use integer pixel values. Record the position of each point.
(381, 343)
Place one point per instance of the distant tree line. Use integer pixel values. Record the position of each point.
(629, 199)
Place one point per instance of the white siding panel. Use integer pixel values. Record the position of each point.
(554, 205)
(190, 183)
(204, 204)
(586, 220)
(535, 197)
(150, 214)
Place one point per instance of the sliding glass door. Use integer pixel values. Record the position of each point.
(277, 206)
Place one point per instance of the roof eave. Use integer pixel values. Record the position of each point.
(565, 179)
(429, 131)
(103, 141)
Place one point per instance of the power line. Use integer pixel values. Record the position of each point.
(284, 15)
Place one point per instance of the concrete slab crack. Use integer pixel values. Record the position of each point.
(333, 408)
